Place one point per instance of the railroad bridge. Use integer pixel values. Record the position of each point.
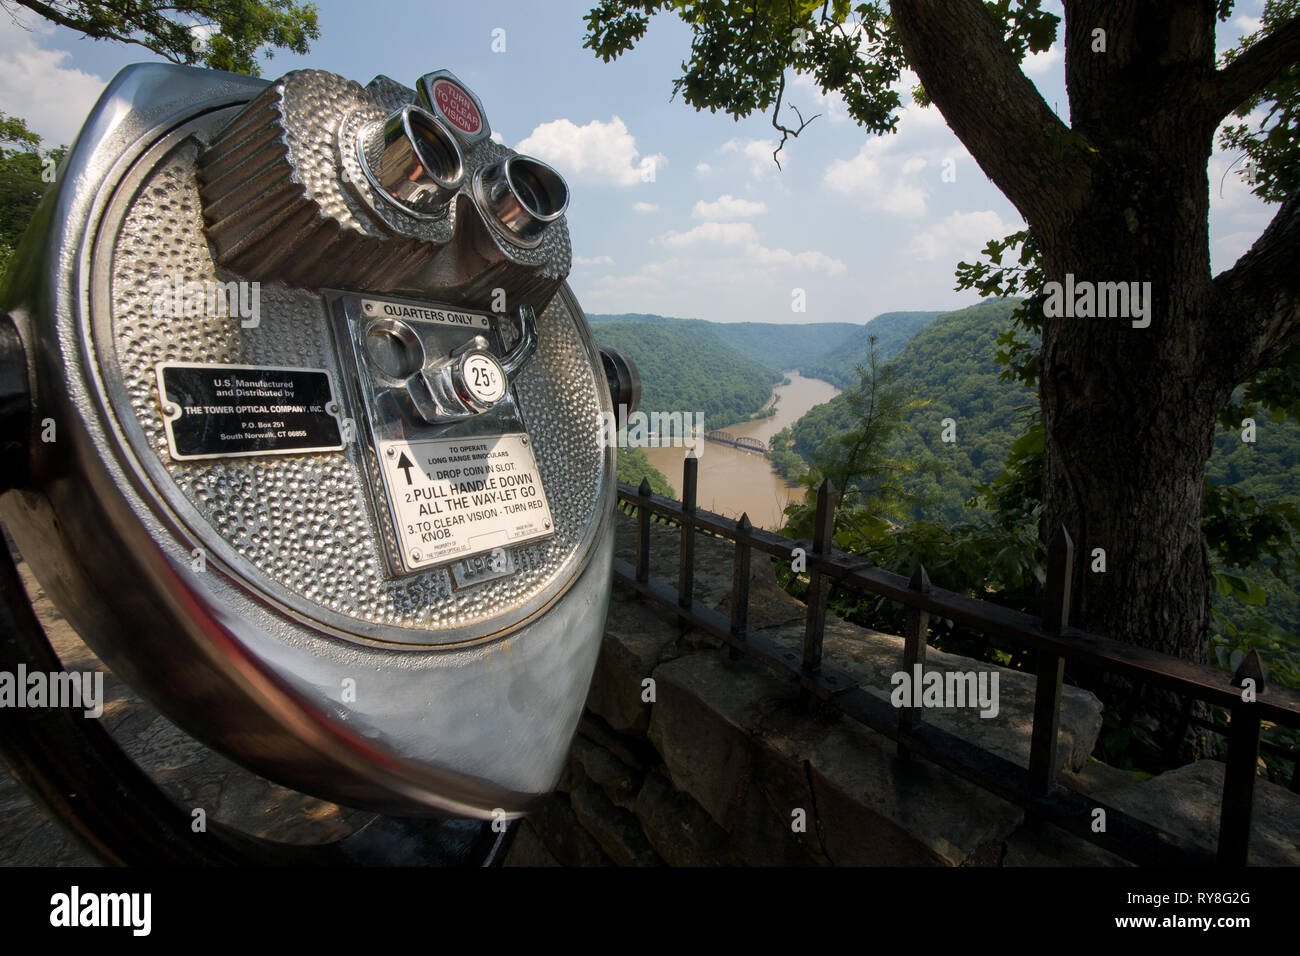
(742, 442)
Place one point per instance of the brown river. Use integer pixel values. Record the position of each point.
(734, 481)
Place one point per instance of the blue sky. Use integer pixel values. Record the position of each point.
(861, 224)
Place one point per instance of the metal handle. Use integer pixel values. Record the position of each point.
(471, 380)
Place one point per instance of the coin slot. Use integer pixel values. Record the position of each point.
(393, 349)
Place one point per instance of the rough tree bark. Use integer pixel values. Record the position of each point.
(1122, 195)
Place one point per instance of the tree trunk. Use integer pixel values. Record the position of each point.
(1121, 196)
(1129, 412)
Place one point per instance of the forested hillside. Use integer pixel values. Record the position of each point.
(778, 346)
(1268, 467)
(595, 317)
(784, 346)
(950, 367)
(685, 367)
(837, 364)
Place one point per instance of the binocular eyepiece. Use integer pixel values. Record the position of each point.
(523, 194)
(414, 162)
(418, 166)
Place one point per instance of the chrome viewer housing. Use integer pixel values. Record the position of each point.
(361, 540)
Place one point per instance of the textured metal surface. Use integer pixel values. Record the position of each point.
(285, 178)
(302, 522)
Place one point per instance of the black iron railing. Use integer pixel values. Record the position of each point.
(1049, 639)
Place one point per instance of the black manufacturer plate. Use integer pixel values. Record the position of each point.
(231, 411)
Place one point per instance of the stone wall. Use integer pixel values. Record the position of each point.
(722, 767)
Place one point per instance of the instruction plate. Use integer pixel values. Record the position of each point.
(454, 497)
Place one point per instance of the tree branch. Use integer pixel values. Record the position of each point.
(1253, 68)
(781, 128)
(1259, 297)
(94, 31)
(1009, 129)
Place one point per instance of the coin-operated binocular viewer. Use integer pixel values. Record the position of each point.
(303, 434)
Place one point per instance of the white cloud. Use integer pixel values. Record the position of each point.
(1226, 250)
(727, 207)
(757, 151)
(1041, 64)
(497, 138)
(810, 260)
(960, 235)
(718, 233)
(600, 153)
(645, 207)
(592, 261)
(1237, 215)
(744, 235)
(1229, 192)
(36, 85)
(897, 173)
(1247, 24)
(878, 183)
(703, 169)
(204, 32)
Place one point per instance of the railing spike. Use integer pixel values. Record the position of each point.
(920, 580)
(1251, 667)
(743, 524)
(644, 490)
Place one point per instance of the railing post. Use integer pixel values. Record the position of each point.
(686, 569)
(643, 532)
(1239, 773)
(1051, 667)
(914, 645)
(1238, 786)
(1180, 729)
(740, 586)
(815, 627)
